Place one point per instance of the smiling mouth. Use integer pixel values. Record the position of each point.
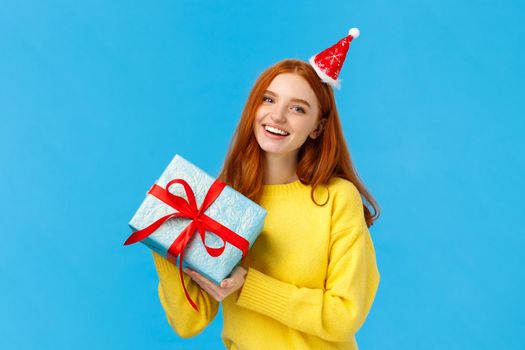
(274, 131)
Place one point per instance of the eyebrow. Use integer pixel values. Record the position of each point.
(293, 99)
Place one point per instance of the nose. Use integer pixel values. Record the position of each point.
(278, 115)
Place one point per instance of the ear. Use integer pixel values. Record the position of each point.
(319, 129)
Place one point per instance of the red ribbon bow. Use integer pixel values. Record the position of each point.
(200, 222)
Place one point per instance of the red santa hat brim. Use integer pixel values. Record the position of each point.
(324, 77)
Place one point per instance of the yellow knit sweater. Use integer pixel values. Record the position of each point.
(312, 276)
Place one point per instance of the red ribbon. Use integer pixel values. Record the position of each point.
(200, 223)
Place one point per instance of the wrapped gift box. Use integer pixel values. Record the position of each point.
(230, 208)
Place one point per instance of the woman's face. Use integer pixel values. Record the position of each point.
(287, 115)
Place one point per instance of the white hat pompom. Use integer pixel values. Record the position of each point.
(354, 32)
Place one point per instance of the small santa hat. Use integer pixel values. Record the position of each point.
(328, 63)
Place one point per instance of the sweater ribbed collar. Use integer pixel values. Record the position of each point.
(284, 189)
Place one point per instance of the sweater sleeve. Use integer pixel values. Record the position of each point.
(184, 320)
(334, 313)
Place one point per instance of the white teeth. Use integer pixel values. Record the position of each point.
(275, 130)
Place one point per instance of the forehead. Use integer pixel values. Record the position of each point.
(289, 85)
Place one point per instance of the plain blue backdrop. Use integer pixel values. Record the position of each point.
(96, 97)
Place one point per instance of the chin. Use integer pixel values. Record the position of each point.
(275, 150)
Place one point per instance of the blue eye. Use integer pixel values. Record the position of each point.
(270, 100)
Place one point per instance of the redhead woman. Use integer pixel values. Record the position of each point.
(310, 278)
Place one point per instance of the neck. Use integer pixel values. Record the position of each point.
(280, 168)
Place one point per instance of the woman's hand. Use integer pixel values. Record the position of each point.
(227, 287)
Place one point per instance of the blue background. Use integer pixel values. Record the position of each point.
(96, 97)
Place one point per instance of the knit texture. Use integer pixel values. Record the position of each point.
(312, 276)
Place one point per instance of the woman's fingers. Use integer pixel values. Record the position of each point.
(226, 283)
(207, 289)
(210, 291)
(200, 278)
(226, 287)
(206, 284)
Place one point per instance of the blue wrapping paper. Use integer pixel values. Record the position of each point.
(231, 209)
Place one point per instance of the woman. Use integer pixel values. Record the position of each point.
(310, 278)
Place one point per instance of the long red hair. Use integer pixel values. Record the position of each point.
(319, 159)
